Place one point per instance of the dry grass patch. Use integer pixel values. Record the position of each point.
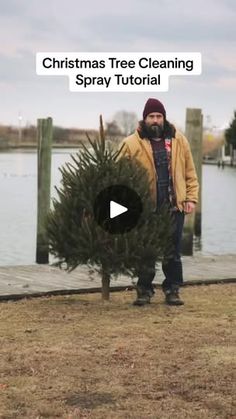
(78, 357)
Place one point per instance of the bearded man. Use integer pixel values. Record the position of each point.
(165, 153)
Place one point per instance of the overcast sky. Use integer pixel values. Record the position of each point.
(26, 27)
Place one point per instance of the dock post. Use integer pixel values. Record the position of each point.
(193, 132)
(44, 138)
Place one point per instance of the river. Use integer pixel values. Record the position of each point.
(18, 189)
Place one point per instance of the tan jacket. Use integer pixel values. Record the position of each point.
(183, 171)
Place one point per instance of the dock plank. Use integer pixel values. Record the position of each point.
(33, 279)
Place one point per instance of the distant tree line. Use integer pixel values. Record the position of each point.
(230, 136)
(122, 124)
(13, 136)
(230, 133)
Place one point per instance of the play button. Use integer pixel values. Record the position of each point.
(117, 209)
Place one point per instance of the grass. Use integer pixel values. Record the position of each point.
(78, 357)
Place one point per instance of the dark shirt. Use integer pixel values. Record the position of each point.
(161, 165)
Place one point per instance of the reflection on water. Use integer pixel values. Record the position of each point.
(18, 188)
(197, 244)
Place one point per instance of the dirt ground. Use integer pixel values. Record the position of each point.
(78, 357)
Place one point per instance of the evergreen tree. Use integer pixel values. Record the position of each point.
(230, 133)
(75, 238)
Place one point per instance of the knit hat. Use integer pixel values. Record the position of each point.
(153, 105)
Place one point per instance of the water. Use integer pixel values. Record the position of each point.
(218, 210)
(18, 191)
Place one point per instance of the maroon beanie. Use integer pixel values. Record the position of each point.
(153, 105)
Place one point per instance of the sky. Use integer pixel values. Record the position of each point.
(30, 26)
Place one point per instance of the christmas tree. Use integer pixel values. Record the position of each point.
(76, 238)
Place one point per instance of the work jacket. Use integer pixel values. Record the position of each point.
(184, 176)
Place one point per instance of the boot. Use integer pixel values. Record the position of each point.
(143, 296)
(172, 296)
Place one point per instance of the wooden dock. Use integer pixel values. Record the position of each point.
(37, 280)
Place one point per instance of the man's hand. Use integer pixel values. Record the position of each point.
(189, 207)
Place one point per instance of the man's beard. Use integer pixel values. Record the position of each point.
(154, 130)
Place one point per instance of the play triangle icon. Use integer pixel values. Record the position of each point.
(116, 209)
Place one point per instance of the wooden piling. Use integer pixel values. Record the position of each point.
(44, 138)
(193, 133)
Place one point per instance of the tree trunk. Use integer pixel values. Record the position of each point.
(105, 285)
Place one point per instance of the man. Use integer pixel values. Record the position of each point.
(166, 155)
